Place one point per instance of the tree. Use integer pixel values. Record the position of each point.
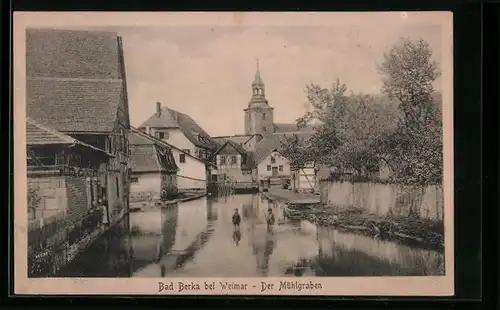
(414, 150)
(409, 74)
(349, 127)
(296, 150)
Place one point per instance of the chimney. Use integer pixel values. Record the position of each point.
(158, 108)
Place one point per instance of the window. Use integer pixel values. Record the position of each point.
(233, 160)
(182, 158)
(280, 167)
(268, 167)
(264, 129)
(134, 179)
(161, 135)
(223, 160)
(187, 151)
(264, 116)
(273, 160)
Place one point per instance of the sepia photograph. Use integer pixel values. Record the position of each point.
(234, 153)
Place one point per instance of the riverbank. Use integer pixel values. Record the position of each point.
(289, 197)
(414, 231)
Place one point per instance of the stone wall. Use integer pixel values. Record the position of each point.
(50, 192)
(424, 201)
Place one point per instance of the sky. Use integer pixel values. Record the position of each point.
(206, 71)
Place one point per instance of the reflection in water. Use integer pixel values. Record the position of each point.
(237, 236)
(198, 239)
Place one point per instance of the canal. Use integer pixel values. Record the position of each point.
(197, 239)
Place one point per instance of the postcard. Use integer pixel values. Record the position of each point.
(233, 153)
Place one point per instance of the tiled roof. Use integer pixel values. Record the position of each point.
(147, 156)
(74, 106)
(72, 54)
(74, 80)
(143, 158)
(233, 144)
(273, 142)
(38, 134)
(135, 138)
(169, 118)
(240, 139)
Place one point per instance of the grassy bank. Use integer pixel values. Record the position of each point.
(409, 230)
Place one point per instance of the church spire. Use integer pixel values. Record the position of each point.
(258, 80)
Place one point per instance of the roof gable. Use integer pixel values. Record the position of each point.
(169, 118)
(240, 139)
(146, 156)
(139, 137)
(230, 147)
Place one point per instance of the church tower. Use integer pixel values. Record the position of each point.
(258, 114)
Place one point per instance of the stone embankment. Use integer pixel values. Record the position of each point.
(141, 205)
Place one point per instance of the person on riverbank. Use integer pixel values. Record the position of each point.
(236, 219)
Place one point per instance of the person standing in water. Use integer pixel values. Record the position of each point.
(270, 218)
(236, 219)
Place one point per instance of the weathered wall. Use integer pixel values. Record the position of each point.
(192, 173)
(175, 137)
(236, 175)
(169, 182)
(186, 183)
(115, 190)
(51, 191)
(425, 201)
(146, 187)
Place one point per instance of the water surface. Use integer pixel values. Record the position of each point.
(198, 239)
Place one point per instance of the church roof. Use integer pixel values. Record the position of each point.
(169, 118)
(291, 128)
